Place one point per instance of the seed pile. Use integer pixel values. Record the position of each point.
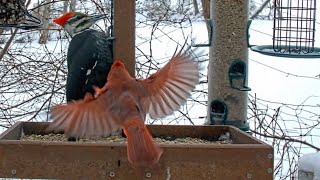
(224, 139)
(62, 138)
(190, 140)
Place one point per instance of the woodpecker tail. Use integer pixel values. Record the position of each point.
(141, 149)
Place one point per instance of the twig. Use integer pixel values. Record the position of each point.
(287, 139)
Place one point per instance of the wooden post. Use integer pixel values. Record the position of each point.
(124, 32)
(229, 47)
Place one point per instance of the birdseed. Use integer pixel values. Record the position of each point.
(223, 139)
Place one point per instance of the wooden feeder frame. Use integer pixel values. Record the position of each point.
(246, 157)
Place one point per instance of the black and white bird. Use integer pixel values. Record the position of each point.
(89, 56)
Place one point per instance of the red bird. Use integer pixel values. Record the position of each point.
(124, 102)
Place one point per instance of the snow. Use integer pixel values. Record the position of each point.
(311, 163)
(283, 81)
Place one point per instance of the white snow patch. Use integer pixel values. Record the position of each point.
(311, 163)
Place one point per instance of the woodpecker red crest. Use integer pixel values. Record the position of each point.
(63, 19)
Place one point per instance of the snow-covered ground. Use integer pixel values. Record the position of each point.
(310, 163)
(292, 84)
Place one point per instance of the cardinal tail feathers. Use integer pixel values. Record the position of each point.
(141, 149)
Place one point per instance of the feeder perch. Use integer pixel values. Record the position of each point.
(245, 157)
(210, 22)
(13, 13)
(293, 30)
(219, 116)
(219, 112)
(238, 76)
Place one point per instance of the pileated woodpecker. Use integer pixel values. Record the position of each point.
(89, 57)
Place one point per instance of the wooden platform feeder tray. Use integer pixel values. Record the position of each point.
(245, 158)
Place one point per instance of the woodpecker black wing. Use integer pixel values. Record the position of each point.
(97, 75)
(89, 60)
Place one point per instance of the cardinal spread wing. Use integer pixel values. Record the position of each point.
(169, 88)
(84, 118)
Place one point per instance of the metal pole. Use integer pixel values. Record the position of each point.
(228, 64)
(124, 33)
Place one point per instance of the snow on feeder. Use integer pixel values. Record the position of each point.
(293, 30)
(13, 13)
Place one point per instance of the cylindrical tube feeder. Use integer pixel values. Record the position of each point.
(228, 62)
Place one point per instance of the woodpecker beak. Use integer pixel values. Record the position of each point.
(95, 18)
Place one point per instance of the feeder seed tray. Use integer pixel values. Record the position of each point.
(223, 139)
(100, 160)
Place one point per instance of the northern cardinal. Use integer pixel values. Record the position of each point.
(124, 102)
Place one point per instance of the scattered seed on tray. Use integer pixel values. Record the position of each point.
(120, 139)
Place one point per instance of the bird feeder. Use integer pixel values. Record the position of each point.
(244, 158)
(228, 59)
(293, 30)
(13, 13)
